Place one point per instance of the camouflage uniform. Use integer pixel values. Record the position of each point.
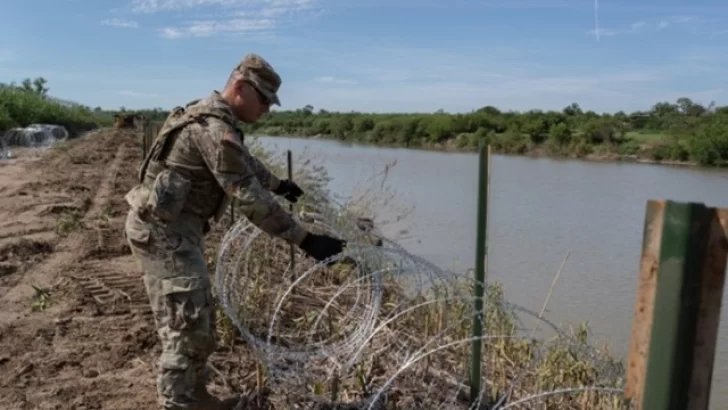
(197, 162)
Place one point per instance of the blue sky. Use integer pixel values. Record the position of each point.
(375, 55)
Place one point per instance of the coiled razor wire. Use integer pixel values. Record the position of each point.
(36, 135)
(377, 327)
(32, 136)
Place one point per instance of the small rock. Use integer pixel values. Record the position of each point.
(7, 268)
(91, 373)
(63, 320)
(24, 369)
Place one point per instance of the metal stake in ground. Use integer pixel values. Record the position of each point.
(290, 208)
(481, 252)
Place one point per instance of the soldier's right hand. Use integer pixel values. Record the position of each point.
(322, 247)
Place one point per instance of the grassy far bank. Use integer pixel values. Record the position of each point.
(681, 132)
(684, 132)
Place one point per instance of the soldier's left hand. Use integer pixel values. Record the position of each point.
(290, 190)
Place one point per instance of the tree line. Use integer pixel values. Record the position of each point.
(682, 131)
(29, 103)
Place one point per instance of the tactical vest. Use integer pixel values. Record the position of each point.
(203, 196)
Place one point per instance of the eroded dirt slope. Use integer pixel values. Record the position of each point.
(75, 327)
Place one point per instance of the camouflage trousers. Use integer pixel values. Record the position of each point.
(179, 290)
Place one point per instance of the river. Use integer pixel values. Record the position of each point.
(540, 209)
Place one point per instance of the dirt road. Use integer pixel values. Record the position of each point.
(75, 328)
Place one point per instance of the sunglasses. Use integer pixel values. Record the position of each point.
(261, 96)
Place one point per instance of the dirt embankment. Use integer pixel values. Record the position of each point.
(76, 331)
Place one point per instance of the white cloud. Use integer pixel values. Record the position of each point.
(129, 93)
(155, 6)
(209, 28)
(6, 56)
(171, 33)
(602, 32)
(463, 4)
(225, 16)
(117, 22)
(642, 26)
(334, 80)
(638, 25)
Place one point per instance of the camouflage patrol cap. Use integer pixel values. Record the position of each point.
(258, 71)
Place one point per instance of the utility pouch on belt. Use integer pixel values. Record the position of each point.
(168, 195)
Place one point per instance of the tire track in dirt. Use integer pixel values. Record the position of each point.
(12, 305)
(95, 342)
(113, 287)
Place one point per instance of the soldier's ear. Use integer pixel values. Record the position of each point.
(239, 84)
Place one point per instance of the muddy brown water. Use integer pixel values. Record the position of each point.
(540, 209)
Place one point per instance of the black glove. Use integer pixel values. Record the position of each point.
(289, 190)
(321, 247)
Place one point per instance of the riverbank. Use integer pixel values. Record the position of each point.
(682, 133)
(646, 152)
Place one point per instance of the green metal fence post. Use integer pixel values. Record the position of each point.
(481, 253)
(676, 300)
(292, 250)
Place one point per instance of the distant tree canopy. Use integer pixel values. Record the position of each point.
(681, 131)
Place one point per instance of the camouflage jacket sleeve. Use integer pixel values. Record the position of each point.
(234, 168)
(266, 178)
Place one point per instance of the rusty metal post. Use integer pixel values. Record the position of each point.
(677, 309)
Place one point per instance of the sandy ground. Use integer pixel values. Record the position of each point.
(76, 331)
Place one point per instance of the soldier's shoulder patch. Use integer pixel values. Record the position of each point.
(232, 138)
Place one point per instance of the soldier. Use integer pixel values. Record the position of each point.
(197, 162)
